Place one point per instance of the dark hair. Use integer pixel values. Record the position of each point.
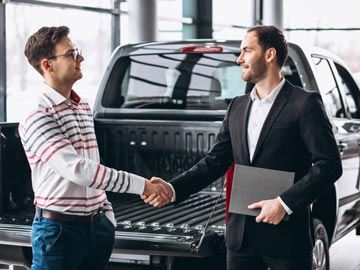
(42, 44)
(270, 36)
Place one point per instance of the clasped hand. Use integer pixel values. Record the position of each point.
(272, 211)
(157, 192)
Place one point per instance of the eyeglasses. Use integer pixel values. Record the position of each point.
(73, 53)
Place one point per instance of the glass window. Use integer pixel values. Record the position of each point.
(351, 90)
(197, 81)
(169, 21)
(328, 87)
(93, 3)
(90, 31)
(175, 81)
(227, 14)
(349, 98)
(170, 14)
(302, 29)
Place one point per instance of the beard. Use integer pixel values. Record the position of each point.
(256, 72)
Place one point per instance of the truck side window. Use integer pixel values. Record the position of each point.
(290, 72)
(328, 87)
(351, 90)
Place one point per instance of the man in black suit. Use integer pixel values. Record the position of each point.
(276, 126)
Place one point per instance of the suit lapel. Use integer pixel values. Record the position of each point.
(274, 112)
(243, 127)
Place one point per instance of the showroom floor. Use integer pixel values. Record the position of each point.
(344, 254)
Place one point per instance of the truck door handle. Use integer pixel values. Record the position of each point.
(342, 147)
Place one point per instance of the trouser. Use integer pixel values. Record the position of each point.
(64, 245)
(237, 260)
(246, 258)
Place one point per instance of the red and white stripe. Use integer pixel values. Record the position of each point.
(61, 147)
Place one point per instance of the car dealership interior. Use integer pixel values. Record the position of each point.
(158, 76)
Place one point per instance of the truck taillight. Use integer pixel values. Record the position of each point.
(190, 49)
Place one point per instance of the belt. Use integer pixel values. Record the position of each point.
(94, 217)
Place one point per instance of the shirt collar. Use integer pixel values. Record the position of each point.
(273, 94)
(57, 98)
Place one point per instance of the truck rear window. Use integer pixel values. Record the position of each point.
(194, 81)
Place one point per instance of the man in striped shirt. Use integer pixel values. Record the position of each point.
(74, 222)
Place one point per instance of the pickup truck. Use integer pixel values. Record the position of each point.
(157, 112)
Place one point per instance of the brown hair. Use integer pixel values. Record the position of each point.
(270, 36)
(41, 44)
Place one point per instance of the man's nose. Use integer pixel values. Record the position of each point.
(239, 60)
(80, 58)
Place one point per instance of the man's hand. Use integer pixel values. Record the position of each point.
(157, 192)
(272, 211)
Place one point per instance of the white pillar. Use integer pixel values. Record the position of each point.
(142, 20)
(257, 13)
(273, 13)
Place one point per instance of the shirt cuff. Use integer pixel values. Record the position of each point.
(173, 199)
(137, 184)
(287, 209)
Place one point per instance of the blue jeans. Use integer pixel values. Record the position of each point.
(63, 245)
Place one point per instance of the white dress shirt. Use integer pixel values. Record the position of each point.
(258, 113)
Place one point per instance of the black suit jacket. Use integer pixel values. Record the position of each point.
(296, 136)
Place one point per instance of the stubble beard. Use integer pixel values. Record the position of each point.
(256, 73)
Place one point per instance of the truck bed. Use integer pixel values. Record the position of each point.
(141, 229)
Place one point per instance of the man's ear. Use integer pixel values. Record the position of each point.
(46, 65)
(270, 54)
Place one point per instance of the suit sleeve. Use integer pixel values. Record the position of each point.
(318, 138)
(212, 166)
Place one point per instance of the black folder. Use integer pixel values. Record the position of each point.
(252, 184)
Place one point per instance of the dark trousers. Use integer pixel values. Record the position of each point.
(61, 245)
(248, 259)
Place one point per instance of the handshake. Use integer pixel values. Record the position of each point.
(157, 192)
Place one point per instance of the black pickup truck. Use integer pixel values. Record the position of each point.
(157, 112)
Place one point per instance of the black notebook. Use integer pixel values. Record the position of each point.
(252, 184)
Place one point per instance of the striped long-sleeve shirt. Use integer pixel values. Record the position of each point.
(61, 147)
